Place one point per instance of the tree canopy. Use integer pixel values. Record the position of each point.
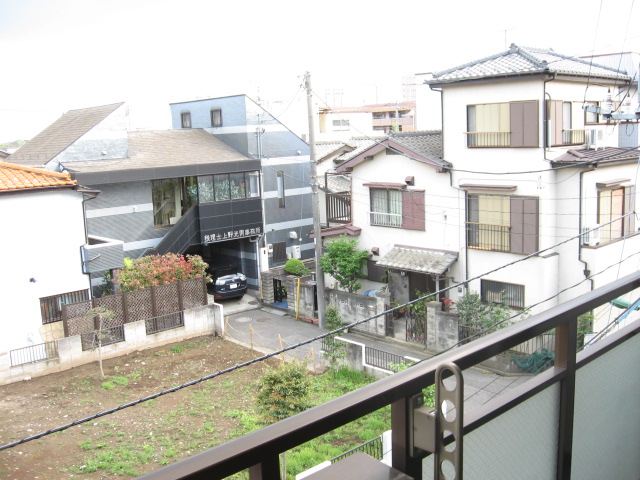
(344, 262)
(156, 270)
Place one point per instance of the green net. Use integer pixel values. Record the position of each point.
(534, 362)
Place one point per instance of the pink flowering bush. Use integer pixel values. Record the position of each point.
(154, 270)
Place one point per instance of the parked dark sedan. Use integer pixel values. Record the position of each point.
(227, 282)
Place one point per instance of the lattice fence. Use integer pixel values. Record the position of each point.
(164, 301)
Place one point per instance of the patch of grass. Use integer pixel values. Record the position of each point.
(120, 460)
(177, 349)
(113, 380)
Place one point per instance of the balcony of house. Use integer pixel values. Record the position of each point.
(390, 122)
(486, 236)
(575, 417)
(100, 254)
(488, 139)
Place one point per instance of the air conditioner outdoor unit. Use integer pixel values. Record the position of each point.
(591, 235)
(295, 251)
(594, 138)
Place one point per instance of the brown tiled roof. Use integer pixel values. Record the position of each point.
(589, 156)
(61, 134)
(17, 177)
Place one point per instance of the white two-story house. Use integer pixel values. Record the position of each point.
(536, 156)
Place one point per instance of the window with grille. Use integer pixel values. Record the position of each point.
(511, 294)
(394, 207)
(51, 307)
(513, 124)
(502, 223)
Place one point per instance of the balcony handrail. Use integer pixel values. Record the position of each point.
(259, 450)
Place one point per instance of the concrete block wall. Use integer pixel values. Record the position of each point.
(204, 320)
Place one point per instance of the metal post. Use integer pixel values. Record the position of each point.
(316, 205)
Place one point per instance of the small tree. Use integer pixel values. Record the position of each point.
(154, 270)
(472, 311)
(100, 316)
(296, 267)
(333, 350)
(283, 391)
(344, 262)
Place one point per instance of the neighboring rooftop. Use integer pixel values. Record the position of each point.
(519, 61)
(425, 147)
(17, 177)
(591, 156)
(152, 151)
(61, 134)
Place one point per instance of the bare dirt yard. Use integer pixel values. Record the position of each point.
(135, 440)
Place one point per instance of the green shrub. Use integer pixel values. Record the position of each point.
(283, 391)
(297, 267)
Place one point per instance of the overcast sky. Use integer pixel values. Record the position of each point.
(60, 55)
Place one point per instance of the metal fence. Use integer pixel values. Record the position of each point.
(372, 448)
(382, 359)
(33, 353)
(164, 322)
(103, 337)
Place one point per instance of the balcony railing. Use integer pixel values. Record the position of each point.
(576, 419)
(34, 353)
(573, 137)
(389, 122)
(488, 139)
(487, 236)
(385, 219)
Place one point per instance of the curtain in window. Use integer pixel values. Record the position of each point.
(386, 207)
(610, 207)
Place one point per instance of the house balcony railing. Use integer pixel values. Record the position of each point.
(578, 418)
(385, 219)
(488, 139)
(389, 122)
(338, 207)
(573, 137)
(487, 236)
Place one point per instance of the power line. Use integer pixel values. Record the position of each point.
(273, 354)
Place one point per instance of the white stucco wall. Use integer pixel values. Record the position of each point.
(444, 207)
(558, 267)
(42, 241)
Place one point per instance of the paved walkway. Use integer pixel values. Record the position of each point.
(268, 329)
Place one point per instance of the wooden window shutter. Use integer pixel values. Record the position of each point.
(524, 124)
(413, 210)
(524, 225)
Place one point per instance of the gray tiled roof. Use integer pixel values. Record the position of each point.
(61, 134)
(164, 148)
(606, 154)
(522, 61)
(359, 144)
(426, 143)
(420, 260)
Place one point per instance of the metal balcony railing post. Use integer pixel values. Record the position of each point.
(565, 358)
(268, 469)
(401, 438)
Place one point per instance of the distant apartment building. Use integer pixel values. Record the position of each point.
(376, 119)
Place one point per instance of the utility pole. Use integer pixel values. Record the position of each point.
(316, 204)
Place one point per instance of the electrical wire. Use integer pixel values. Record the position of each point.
(266, 356)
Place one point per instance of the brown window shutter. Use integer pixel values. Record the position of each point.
(524, 225)
(413, 210)
(524, 124)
